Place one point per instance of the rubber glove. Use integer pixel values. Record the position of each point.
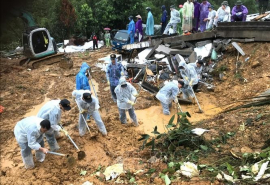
(108, 82)
(122, 73)
(186, 78)
(176, 100)
(83, 111)
(136, 95)
(64, 131)
(131, 102)
(190, 83)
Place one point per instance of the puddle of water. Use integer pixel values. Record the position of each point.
(154, 116)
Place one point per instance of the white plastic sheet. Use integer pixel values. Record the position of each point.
(87, 45)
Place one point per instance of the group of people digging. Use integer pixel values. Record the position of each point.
(29, 132)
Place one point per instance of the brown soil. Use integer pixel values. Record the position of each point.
(21, 89)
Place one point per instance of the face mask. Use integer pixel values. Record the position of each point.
(124, 85)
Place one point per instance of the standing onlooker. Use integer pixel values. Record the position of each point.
(239, 12)
(203, 14)
(131, 29)
(210, 19)
(179, 26)
(113, 73)
(139, 28)
(196, 15)
(149, 23)
(174, 20)
(107, 37)
(188, 15)
(95, 41)
(163, 18)
(126, 94)
(223, 13)
(263, 4)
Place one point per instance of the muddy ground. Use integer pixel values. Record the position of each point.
(24, 91)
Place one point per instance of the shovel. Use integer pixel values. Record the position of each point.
(81, 154)
(70, 159)
(93, 85)
(83, 116)
(200, 110)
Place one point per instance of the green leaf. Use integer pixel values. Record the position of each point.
(171, 120)
(151, 170)
(83, 172)
(167, 180)
(171, 164)
(230, 168)
(144, 136)
(202, 166)
(132, 180)
(210, 169)
(155, 131)
(203, 147)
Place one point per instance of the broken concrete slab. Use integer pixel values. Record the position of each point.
(193, 57)
(153, 49)
(192, 37)
(179, 43)
(184, 52)
(203, 43)
(142, 55)
(149, 87)
(163, 50)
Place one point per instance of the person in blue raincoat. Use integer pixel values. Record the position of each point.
(190, 78)
(167, 94)
(149, 23)
(126, 94)
(82, 79)
(113, 73)
(131, 29)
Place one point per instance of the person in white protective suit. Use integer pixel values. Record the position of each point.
(190, 78)
(126, 94)
(52, 111)
(167, 94)
(29, 135)
(198, 66)
(174, 20)
(88, 105)
(211, 17)
(223, 13)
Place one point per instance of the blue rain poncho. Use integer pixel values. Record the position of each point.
(168, 93)
(149, 24)
(124, 95)
(81, 78)
(131, 31)
(189, 72)
(91, 109)
(113, 73)
(28, 135)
